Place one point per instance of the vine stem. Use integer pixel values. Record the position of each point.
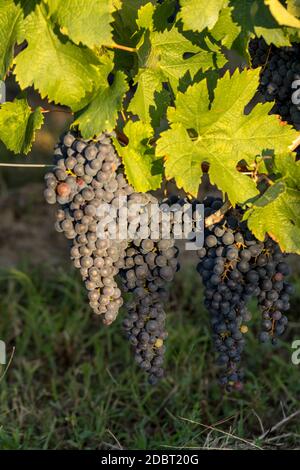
(122, 138)
(25, 165)
(268, 55)
(55, 110)
(295, 144)
(121, 47)
(218, 215)
(263, 177)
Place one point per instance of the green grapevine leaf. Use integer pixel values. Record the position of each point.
(276, 36)
(158, 112)
(293, 7)
(102, 111)
(182, 159)
(61, 71)
(277, 210)
(148, 82)
(277, 213)
(145, 16)
(281, 14)
(221, 135)
(18, 125)
(166, 57)
(287, 168)
(11, 16)
(84, 22)
(163, 11)
(200, 14)
(254, 18)
(125, 18)
(226, 30)
(143, 171)
(171, 55)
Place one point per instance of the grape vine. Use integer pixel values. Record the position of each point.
(281, 70)
(235, 267)
(159, 94)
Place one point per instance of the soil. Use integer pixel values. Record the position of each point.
(27, 229)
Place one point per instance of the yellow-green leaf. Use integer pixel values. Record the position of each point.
(85, 22)
(18, 125)
(281, 14)
(101, 112)
(59, 70)
(143, 171)
(200, 14)
(277, 213)
(221, 135)
(11, 16)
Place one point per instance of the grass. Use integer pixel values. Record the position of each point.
(73, 384)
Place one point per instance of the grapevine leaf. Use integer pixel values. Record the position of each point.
(182, 159)
(143, 171)
(190, 110)
(293, 7)
(145, 16)
(220, 134)
(158, 112)
(61, 71)
(281, 14)
(226, 30)
(172, 55)
(11, 16)
(84, 22)
(166, 57)
(277, 213)
(102, 111)
(163, 12)
(254, 18)
(148, 83)
(125, 18)
(200, 14)
(18, 125)
(288, 168)
(276, 36)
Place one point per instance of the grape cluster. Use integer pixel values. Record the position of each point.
(281, 67)
(149, 265)
(234, 267)
(222, 268)
(259, 52)
(274, 293)
(87, 173)
(85, 176)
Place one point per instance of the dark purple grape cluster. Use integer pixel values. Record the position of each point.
(85, 176)
(234, 267)
(149, 265)
(259, 52)
(274, 292)
(281, 67)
